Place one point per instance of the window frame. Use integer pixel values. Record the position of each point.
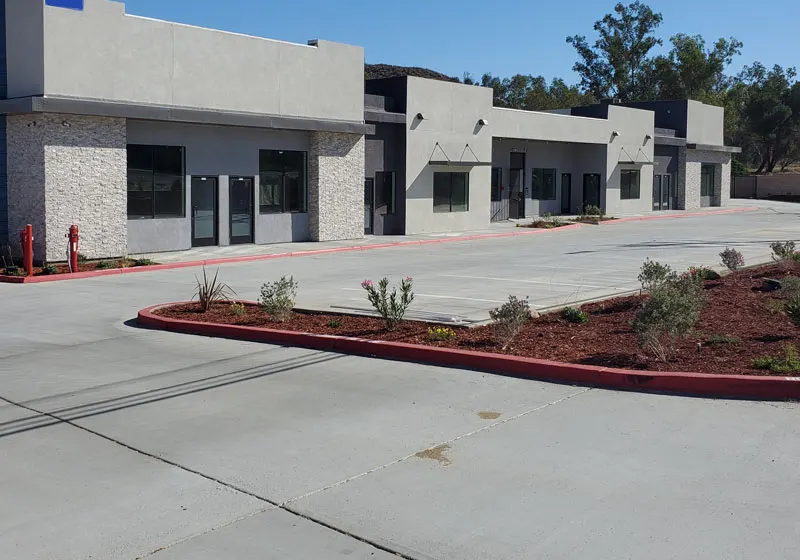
(450, 175)
(538, 182)
(626, 191)
(283, 206)
(153, 173)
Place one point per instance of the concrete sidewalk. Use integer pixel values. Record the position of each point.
(498, 229)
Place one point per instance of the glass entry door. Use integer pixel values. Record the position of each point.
(566, 193)
(204, 211)
(240, 201)
(591, 190)
(369, 205)
(662, 192)
(707, 180)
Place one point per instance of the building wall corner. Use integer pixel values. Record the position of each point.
(64, 170)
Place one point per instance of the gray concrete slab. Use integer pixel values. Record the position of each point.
(272, 535)
(68, 494)
(335, 436)
(603, 475)
(271, 434)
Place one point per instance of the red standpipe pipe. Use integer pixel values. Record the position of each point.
(26, 239)
(73, 248)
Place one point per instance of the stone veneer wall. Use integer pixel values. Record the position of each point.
(336, 186)
(64, 170)
(689, 167)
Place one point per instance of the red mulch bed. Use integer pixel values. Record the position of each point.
(88, 266)
(544, 224)
(737, 308)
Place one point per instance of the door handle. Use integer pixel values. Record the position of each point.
(194, 211)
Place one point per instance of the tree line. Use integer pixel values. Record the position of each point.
(762, 104)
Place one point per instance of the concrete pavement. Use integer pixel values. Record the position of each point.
(117, 442)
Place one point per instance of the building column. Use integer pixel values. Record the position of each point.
(336, 186)
(688, 180)
(64, 170)
(722, 182)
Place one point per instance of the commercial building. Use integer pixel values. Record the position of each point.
(156, 136)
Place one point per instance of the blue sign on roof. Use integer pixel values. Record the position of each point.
(71, 4)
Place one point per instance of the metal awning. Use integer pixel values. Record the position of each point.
(714, 148)
(442, 159)
(626, 158)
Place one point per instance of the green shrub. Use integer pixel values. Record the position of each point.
(237, 309)
(509, 318)
(49, 269)
(790, 285)
(732, 259)
(334, 323)
(82, 258)
(592, 210)
(672, 312)
(792, 309)
(717, 339)
(105, 265)
(278, 298)
(389, 305)
(788, 363)
(144, 262)
(782, 250)
(574, 315)
(653, 274)
(210, 291)
(441, 334)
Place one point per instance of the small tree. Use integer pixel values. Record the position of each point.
(672, 312)
(278, 298)
(391, 307)
(732, 259)
(509, 318)
(653, 274)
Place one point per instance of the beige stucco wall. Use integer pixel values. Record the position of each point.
(451, 112)
(102, 53)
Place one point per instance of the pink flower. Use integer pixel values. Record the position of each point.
(409, 279)
(366, 284)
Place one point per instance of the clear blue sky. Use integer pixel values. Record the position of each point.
(503, 37)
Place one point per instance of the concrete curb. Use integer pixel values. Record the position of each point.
(313, 252)
(695, 384)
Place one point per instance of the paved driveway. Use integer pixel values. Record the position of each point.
(121, 443)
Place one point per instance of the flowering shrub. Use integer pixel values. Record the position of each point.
(278, 298)
(441, 334)
(391, 306)
(732, 259)
(237, 309)
(782, 250)
(703, 273)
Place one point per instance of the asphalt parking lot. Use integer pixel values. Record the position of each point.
(122, 443)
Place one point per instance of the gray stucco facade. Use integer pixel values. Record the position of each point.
(281, 142)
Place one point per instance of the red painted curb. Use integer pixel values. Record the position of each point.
(699, 384)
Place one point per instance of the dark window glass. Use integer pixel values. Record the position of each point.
(629, 184)
(497, 180)
(156, 181)
(282, 181)
(544, 184)
(707, 180)
(451, 192)
(385, 191)
(441, 192)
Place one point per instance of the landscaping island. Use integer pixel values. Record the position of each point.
(743, 329)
